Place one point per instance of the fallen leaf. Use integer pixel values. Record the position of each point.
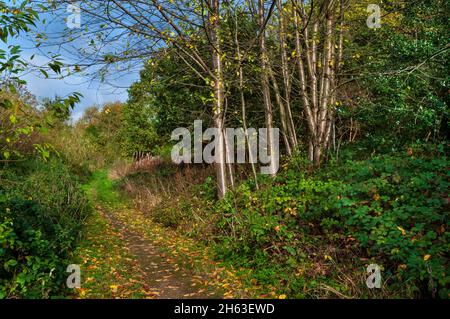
(402, 230)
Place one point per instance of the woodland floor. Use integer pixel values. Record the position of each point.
(161, 275)
(124, 254)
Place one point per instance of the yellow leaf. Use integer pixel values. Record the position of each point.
(82, 292)
(282, 297)
(402, 230)
(426, 257)
(113, 288)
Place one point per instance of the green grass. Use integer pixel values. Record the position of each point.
(109, 270)
(101, 189)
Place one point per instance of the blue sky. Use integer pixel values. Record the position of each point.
(94, 92)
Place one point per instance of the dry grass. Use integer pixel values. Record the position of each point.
(151, 180)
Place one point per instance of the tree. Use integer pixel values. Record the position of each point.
(56, 109)
(319, 46)
(103, 128)
(19, 117)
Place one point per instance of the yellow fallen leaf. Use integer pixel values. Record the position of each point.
(113, 288)
(402, 230)
(82, 292)
(426, 257)
(282, 297)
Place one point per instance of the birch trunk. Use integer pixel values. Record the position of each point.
(315, 41)
(265, 84)
(218, 108)
(243, 103)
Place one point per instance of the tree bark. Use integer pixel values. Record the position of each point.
(265, 84)
(243, 103)
(286, 78)
(318, 81)
(218, 107)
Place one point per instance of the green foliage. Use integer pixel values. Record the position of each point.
(42, 213)
(393, 208)
(397, 209)
(29, 268)
(392, 90)
(58, 109)
(13, 21)
(404, 77)
(102, 189)
(138, 129)
(100, 134)
(160, 102)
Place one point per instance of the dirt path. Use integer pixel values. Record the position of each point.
(162, 275)
(126, 255)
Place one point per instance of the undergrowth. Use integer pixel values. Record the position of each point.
(313, 235)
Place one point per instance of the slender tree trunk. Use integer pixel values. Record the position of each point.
(301, 70)
(283, 116)
(286, 74)
(318, 81)
(286, 77)
(335, 68)
(218, 108)
(265, 84)
(324, 97)
(243, 103)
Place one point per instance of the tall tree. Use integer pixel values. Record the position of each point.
(318, 25)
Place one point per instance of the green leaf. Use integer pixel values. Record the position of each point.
(10, 263)
(15, 49)
(44, 72)
(6, 104)
(290, 250)
(13, 119)
(56, 67)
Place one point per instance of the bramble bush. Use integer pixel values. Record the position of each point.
(42, 213)
(397, 208)
(392, 208)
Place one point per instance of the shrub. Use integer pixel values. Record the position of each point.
(175, 196)
(42, 213)
(392, 208)
(397, 208)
